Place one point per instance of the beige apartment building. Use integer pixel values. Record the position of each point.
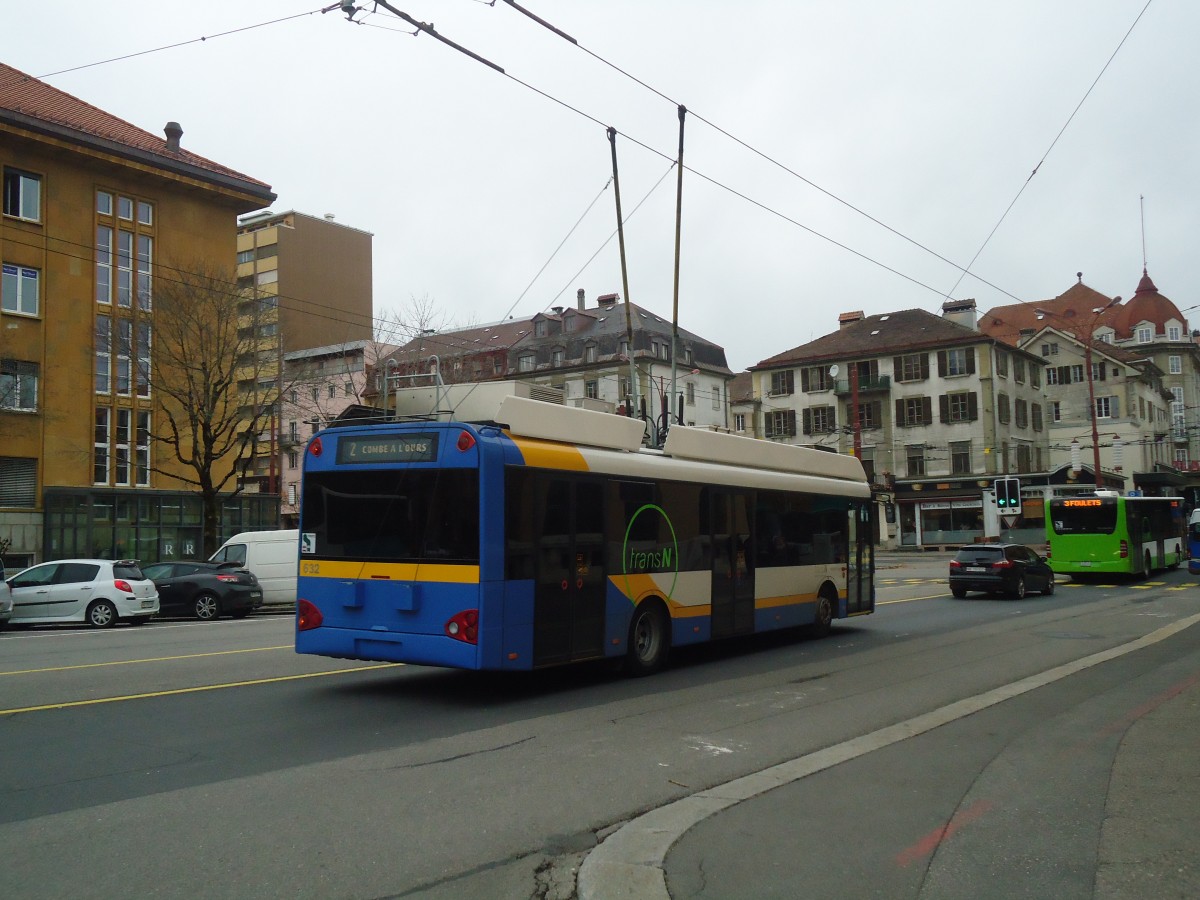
(310, 280)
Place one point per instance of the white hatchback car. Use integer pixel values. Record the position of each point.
(5, 598)
(97, 591)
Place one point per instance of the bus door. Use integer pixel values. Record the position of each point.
(570, 581)
(732, 566)
(860, 563)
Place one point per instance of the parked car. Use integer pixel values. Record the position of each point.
(273, 557)
(100, 592)
(204, 590)
(5, 598)
(1011, 569)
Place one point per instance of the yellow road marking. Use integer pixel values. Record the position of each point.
(192, 690)
(130, 662)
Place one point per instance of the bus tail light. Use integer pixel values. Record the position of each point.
(314, 447)
(464, 626)
(1124, 549)
(308, 616)
(466, 441)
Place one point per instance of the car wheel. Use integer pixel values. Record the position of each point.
(649, 640)
(1049, 591)
(958, 592)
(206, 607)
(1019, 588)
(102, 614)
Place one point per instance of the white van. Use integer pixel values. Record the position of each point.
(273, 557)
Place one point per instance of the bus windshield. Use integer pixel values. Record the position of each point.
(394, 515)
(1085, 516)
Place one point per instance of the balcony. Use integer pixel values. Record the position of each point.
(874, 384)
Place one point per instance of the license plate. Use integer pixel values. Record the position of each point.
(1085, 563)
(256, 594)
(976, 569)
(147, 604)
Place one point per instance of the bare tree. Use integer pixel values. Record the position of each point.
(215, 378)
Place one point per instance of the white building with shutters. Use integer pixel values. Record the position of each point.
(941, 410)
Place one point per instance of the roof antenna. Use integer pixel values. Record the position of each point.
(1142, 204)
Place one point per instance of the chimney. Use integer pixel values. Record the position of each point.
(579, 298)
(849, 318)
(174, 132)
(608, 301)
(961, 312)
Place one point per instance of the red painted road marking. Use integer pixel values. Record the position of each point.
(933, 840)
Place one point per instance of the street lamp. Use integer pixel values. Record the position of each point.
(1087, 362)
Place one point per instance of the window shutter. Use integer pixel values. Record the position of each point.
(1114, 404)
(769, 425)
(970, 360)
(944, 408)
(942, 363)
(926, 410)
(900, 414)
(972, 406)
(804, 386)
(18, 482)
(808, 421)
(897, 368)
(1064, 374)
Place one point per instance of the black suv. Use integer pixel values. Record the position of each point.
(1011, 569)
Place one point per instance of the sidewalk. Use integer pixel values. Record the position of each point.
(1148, 846)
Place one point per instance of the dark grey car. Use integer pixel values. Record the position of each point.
(204, 590)
(1011, 569)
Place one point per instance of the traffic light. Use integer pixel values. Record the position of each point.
(1008, 494)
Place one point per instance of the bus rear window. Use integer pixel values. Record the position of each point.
(396, 515)
(1098, 518)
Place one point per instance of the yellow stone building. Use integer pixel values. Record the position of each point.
(92, 208)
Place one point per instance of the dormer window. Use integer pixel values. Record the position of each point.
(1174, 333)
(539, 328)
(1145, 334)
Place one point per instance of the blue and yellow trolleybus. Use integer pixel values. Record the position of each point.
(1107, 533)
(548, 535)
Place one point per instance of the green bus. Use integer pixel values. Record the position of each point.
(1107, 533)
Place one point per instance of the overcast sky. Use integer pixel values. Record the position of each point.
(927, 116)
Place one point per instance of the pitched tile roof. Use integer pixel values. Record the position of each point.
(34, 102)
(1075, 305)
(907, 329)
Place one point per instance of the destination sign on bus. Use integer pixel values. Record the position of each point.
(390, 449)
(1096, 502)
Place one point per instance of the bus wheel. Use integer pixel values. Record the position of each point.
(649, 640)
(823, 621)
